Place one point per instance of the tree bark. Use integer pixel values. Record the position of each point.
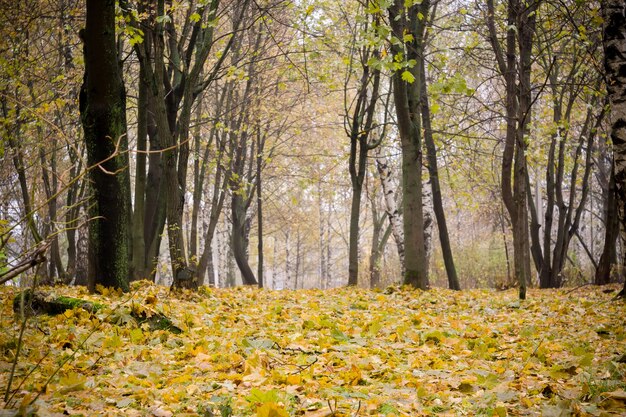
(259, 206)
(433, 171)
(359, 130)
(51, 189)
(239, 246)
(611, 230)
(407, 100)
(521, 20)
(391, 206)
(614, 42)
(139, 266)
(103, 115)
(379, 241)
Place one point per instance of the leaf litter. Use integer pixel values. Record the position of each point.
(314, 353)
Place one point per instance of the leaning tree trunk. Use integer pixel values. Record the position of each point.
(614, 14)
(103, 115)
(391, 207)
(433, 171)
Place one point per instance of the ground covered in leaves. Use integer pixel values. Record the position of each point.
(343, 352)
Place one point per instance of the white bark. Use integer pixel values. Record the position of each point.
(391, 204)
(427, 204)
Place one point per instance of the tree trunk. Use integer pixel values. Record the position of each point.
(391, 206)
(259, 206)
(379, 242)
(82, 256)
(51, 189)
(407, 100)
(355, 218)
(103, 115)
(614, 42)
(14, 142)
(296, 282)
(433, 171)
(239, 239)
(521, 20)
(360, 124)
(611, 230)
(139, 266)
(74, 195)
(287, 260)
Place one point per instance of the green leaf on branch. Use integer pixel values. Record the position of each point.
(408, 77)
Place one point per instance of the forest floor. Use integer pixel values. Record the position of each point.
(313, 353)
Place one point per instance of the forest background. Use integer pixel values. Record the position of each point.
(282, 143)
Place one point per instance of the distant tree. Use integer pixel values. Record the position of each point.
(103, 115)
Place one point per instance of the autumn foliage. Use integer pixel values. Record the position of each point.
(342, 352)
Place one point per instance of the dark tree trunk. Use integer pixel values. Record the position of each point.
(51, 189)
(154, 218)
(521, 19)
(75, 194)
(359, 129)
(259, 207)
(614, 42)
(103, 115)
(14, 141)
(433, 171)
(239, 239)
(353, 252)
(611, 230)
(407, 100)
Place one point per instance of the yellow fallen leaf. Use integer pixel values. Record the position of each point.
(271, 410)
(294, 379)
(72, 382)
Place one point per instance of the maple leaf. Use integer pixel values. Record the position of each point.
(271, 410)
(408, 77)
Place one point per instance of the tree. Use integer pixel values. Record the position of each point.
(433, 171)
(614, 15)
(380, 232)
(608, 258)
(520, 29)
(360, 122)
(103, 115)
(391, 206)
(173, 68)
(408, 25)
(569, 93)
